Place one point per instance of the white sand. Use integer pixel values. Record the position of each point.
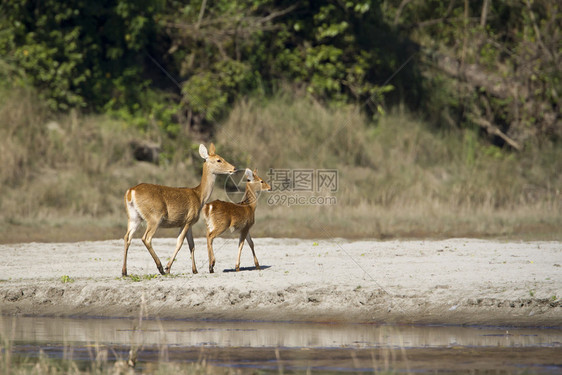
(457, 281)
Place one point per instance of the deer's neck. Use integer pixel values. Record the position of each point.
(205, 188)
(250, 197)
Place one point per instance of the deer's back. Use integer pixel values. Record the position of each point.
(228, 214)
(170, 206)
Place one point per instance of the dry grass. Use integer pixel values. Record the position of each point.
(64, 177)
(69, 170)
(397, 178)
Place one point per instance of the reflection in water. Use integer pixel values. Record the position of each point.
(268, 334)
(303, 345)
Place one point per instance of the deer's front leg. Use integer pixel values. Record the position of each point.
(251, 243)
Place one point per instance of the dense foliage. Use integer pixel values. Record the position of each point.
(79, 53)
(494, 66)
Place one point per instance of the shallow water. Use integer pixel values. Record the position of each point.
(251, 345)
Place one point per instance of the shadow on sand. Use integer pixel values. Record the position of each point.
(246, 269)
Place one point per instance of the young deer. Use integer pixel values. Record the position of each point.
(221, 215)
(170, 207)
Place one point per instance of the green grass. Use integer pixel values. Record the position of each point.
(139, 278)
(63, 177)
(65, 279)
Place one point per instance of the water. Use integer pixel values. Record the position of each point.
(291, 347)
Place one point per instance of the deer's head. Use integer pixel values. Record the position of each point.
(255, 181)
(215, 163)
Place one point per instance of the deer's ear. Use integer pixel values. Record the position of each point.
(212, 150)
(203, 151)
(249, 174)
(256, 172)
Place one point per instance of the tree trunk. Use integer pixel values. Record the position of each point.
(484, 15)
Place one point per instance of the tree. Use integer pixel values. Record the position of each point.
(79, 53)
(493, 65)
(233, 48)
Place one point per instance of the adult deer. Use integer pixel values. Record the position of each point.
(171, 207)
(221, 215)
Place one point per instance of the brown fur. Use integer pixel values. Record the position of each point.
(221, 216)
(171, 207)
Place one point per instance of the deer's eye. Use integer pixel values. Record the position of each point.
(219, 160)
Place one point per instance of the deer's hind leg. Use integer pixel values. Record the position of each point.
(212, 233)
(179, 243)
(243, 234)
(147, 240)
(134, 220)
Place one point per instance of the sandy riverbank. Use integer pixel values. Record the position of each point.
(457, 281)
